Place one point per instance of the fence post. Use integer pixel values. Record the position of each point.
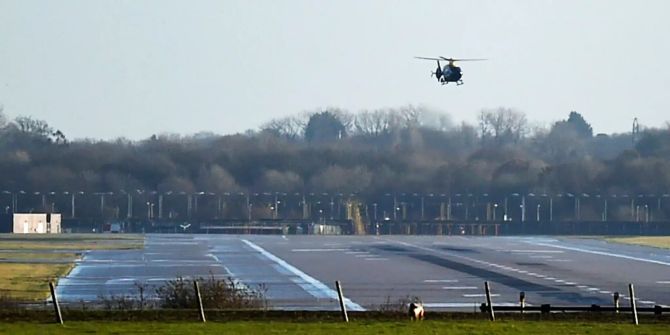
(488, 301)
(616, 302)
(340, 296)
(522, 301)
(200, 308)
(54, 300)
(633, 305)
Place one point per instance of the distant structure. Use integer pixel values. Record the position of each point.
(36, 223)
(636, 131)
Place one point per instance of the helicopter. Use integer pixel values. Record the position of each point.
(450, 73)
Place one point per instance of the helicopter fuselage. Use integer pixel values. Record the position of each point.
(451, 73)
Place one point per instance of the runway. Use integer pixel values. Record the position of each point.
(445, 272)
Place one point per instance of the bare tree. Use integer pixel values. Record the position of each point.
(502, 125)
(290, 127)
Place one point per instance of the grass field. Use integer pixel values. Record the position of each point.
(70, 242)
(24, 281)
(28, 262)
(650, 241)
(366, 327)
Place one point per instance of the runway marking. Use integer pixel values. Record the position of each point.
(319, 290)
(646, 302)
(602, 253)
(459, 287)
(502, 267)
(440, 281)
(465, 304)
(479, 295)
(376, 259)
(663, 282)
(538, 251)
(356, 252)
(319, 250)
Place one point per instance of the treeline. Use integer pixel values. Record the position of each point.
(407, 149)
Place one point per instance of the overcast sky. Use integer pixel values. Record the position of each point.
(106, 69)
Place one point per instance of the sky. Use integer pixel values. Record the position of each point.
(133, 68)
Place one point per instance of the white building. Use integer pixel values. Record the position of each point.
(36, 223)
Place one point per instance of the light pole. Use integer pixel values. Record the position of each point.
(375, 210)
(537, 214)
(332, 207)
(422, 209)
(495, 207)
(646, 213)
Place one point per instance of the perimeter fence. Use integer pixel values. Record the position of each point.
(226, 299)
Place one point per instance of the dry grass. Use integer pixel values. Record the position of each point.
(30, 282)
(70, 242)
(32, 256)
(650, 241)
(41, 255)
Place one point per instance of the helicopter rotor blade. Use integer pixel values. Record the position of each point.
(462, 59)
(428, 58)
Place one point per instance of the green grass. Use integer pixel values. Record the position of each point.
(364, 327)
(70, 242)
(650, 241)
(29, 281)
(22, 281)
(49, 256)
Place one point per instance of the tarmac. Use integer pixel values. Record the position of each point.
(298, 272)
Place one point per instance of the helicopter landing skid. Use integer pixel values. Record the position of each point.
(458, 83)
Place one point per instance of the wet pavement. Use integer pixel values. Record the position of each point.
(444, 271)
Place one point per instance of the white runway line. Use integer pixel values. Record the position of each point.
(319, 289)
(459, 287)
(602, 253)
(376, 259)
(440, 281)
(479, 295)
(319, 250)
(538, 251)
(663, 282)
